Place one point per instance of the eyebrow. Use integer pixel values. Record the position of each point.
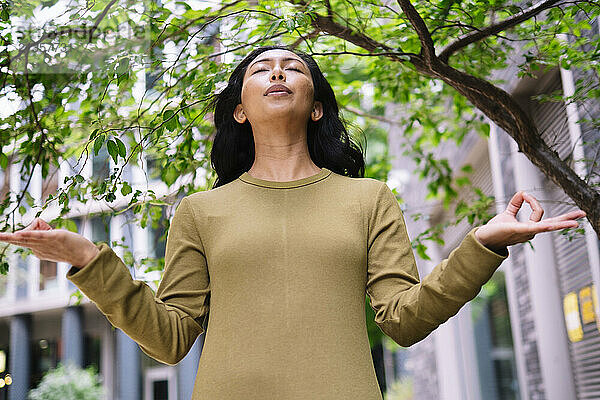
(270, 59)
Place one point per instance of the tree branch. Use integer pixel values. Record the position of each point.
(495, 103)
(101, 17)
(473, 37)
(302, 38)
(501, 108)
(371, 116)
(328, 25)
(42, 137)
(60, 32)
(427, 48)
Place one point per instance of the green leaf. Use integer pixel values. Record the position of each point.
(123, 66)
(125, 189)
(113, 150)
(486, 129)
(71, 225)
(3, 267)
(121, 147)
(170, 120)
(290, 25)
(421, 248)
(110, 197)
(462, 181)
(98, 143)
(144, 220)
(28, 199)
(3, 161)
(170, 174)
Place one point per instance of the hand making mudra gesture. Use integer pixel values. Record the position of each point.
(501, 231)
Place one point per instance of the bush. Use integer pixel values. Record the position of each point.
(69, 382)
(401, 389)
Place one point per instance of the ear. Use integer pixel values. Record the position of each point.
(238, 114)
(317, 111)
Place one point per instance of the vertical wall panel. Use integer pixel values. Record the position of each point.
(572, 261)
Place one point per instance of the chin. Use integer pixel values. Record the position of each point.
(284, 110)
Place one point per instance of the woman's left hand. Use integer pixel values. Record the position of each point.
(505, 230)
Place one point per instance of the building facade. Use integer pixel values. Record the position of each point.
(537, 335)
(40, 322)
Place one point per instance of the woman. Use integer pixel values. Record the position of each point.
(283, 250)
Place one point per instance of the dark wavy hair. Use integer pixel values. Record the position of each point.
(329, 143)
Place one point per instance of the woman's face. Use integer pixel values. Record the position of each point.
(293, 100)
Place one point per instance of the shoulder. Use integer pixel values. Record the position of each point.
(368, 187)
(370, 193)
(213, 196)
(377, 195)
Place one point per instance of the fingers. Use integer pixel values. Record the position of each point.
(25, 238)
(514, 205)
(517, 201)
(546, 226)
(7, 237)
(35, 235)
(17, 241)
(571, 215)
(535, 205)
(33, 225)
(506, 232)
(555, 226)
(37, 224)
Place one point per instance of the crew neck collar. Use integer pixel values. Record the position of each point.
(324, 173)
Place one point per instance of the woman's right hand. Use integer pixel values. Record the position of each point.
(51, 244)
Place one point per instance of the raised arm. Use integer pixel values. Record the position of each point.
(408, 309)
(164, 325)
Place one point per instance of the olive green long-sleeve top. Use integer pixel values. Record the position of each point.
(283, 268)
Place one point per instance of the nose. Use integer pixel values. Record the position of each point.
(277, 74)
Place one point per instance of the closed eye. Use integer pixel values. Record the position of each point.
(260, 70)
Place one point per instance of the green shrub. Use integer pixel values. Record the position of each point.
(69, 382)
(401, 389)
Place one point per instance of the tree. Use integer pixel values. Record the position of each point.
(75, 84)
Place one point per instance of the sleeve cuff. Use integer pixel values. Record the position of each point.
(477, 262)
(93, 278)
(77, 274)
(503, 254)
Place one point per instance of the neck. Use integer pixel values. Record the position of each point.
(281, 152)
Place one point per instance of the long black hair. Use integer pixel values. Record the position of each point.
(329, 143)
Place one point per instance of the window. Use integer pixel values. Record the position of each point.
(100, 228)
(153, 168)
(100, 165)
(44, 356)
(157, 237)
(160, 390)
(160, 383)
(21, 275)
(48, 278)
(91, 351)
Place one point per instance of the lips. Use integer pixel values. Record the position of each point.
(278, 88)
